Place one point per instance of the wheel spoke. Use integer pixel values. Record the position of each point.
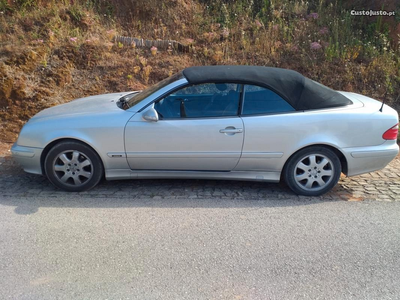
(76, 179)
(85, 163)
(313, 160)
(59, 168)
(75, 156)
(85, 174)
(301, 177)
(309, 183)
(323, 163)
(64, 158)
(65, 177)
(326, 173)
(302, 166)
(320, 181)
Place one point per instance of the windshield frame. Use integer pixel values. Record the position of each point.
(148, 92)
(158, 94)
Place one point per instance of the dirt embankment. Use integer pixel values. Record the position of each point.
(52, 53)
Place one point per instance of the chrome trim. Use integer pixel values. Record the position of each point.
(22, 151)
(378, 153)
(182, 155)
(229, 130)
(250, 176)
(262, 154)
(116, 154)
(116, 174)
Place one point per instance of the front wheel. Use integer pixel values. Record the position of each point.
(73, 166)
(312, 171)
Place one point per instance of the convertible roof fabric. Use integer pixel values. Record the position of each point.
(301, 92)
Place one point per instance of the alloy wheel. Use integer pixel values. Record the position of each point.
(73, 168)
(314, 172)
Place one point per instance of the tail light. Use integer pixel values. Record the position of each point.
(391, 133)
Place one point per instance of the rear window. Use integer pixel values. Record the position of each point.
(260, 100)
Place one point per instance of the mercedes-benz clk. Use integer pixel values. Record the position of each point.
(213, 122)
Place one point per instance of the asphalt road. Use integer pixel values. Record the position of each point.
(109, 248)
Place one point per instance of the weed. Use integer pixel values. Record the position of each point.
(76, 13)
(146, 73)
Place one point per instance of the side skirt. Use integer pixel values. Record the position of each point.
(116, 174)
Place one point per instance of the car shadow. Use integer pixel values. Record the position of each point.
(28, 193)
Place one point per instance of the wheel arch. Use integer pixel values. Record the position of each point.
(59, 140)
(340, 155)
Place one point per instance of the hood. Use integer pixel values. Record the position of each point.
(83, 106)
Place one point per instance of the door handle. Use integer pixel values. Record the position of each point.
(230, 130)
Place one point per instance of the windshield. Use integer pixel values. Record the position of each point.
(136, 98)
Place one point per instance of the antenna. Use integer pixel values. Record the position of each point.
(383, 103)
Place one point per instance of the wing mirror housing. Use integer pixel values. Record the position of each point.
(151, 115)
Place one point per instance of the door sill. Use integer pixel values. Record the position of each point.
(116, 174)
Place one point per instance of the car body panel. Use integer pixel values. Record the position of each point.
(102, 129)
(183, 144)
(287, 133)
(362, 160)
(28, 158)
(234, 175)
(82, 107)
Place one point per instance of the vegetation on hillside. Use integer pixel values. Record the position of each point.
(54, 51)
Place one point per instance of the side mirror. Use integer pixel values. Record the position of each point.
(150, 115)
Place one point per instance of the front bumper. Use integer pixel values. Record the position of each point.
(28, 158)
(368, 159)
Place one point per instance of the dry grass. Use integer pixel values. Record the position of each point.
(54, 51)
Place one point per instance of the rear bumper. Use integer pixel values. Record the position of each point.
(368, 159)
(28, 158)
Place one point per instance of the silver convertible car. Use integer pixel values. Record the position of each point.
(213, 122)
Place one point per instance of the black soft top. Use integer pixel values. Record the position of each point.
(301, 92)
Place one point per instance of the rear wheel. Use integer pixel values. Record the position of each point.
(312, 171)
(73, 166)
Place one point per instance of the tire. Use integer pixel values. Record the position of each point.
(73, 166)
(312, 171)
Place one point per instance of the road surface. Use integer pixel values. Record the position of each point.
(192, 239)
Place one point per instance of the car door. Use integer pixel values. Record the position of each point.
(270, 127)
(197, 129)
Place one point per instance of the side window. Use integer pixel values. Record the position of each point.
(200, 101)
(259, 100)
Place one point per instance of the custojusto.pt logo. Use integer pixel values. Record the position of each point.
(371, 13)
